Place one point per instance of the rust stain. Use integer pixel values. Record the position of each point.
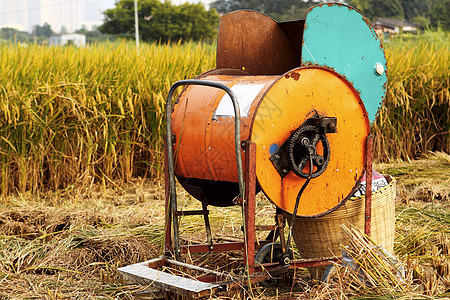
(295, 76)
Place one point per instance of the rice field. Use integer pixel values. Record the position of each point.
(415, 117)
(73, 116)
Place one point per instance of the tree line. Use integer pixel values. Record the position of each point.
(164, 21)
(41, 33)
(427, 13)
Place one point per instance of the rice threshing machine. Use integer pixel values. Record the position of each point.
(287, 111)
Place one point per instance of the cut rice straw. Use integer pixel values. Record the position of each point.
(372, 268)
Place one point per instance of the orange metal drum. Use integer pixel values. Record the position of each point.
(272, 107)
(204, 132)
(291, 100)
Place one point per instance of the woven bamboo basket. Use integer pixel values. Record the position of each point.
(321, 237)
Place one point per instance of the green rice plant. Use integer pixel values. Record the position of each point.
(78, 115)
(437, 37)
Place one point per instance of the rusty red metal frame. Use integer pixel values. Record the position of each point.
(249, 204)
(168, 220)
(368, 202)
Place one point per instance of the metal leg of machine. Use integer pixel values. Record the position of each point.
(168, 215)
(249, 205)
(368, 203)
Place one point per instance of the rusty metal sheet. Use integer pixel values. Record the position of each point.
(257, 44)
(204, 148)
(294, 29)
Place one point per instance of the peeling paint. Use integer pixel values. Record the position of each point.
(295, 76)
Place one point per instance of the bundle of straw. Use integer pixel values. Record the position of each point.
(372, 269)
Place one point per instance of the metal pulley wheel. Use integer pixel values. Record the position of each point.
(270, 253)
(302, 144)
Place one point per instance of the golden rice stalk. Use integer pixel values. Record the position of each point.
(77, 115)
(415, 117)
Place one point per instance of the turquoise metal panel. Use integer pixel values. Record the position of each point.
(339, 37)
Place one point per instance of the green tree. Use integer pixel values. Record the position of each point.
(374, 9)
(12, 34)
(421, 21)
(225, 6)
(440, 15)
(362, 5)
(414, 8)
(161, 21)
(43, 31)
(281, 10)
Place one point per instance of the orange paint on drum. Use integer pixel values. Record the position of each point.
(292, 99)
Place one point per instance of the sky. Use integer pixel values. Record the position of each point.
(70, 14)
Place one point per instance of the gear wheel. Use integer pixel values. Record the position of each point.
(302, 144)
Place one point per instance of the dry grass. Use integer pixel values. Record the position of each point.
(368, 270)
(69, 244)
(426, 180)
(51, 249)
